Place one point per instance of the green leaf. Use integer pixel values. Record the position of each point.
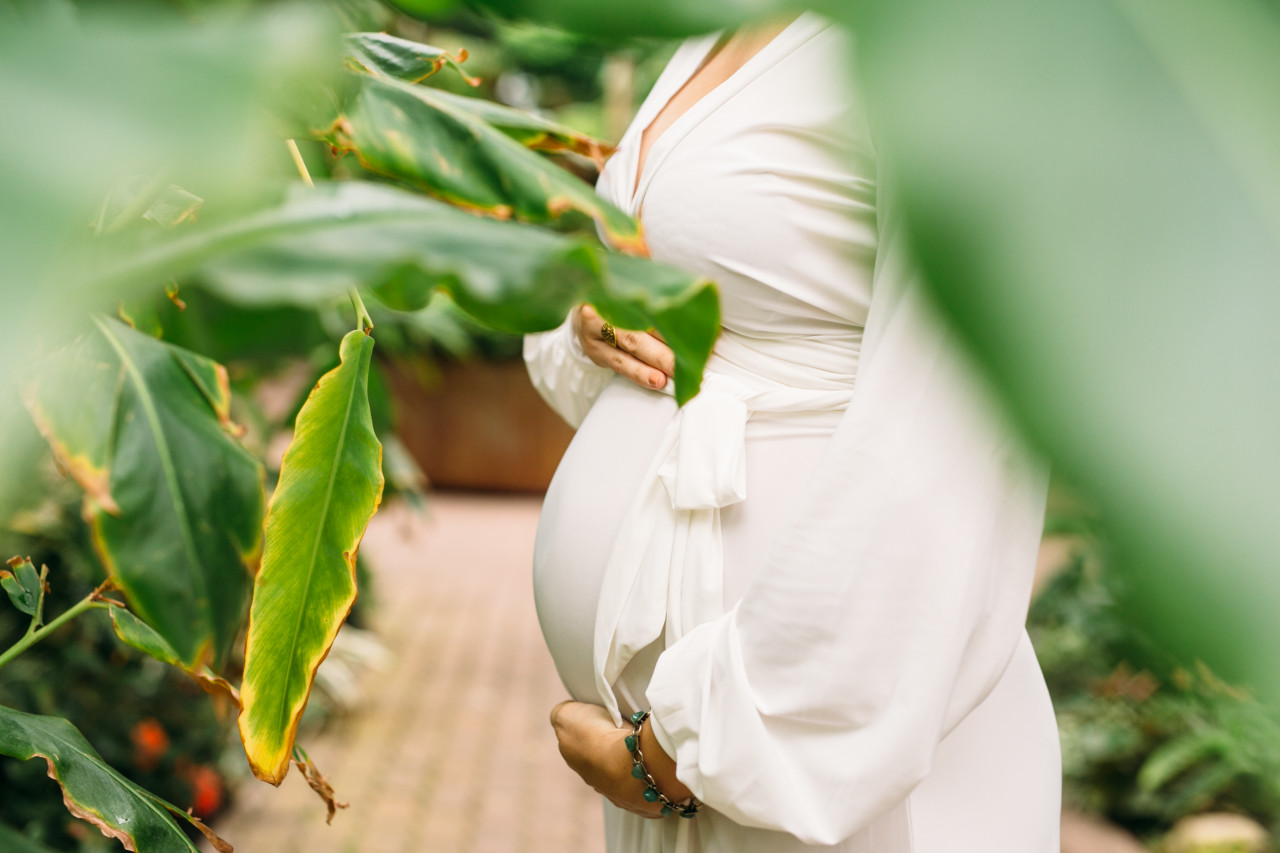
(402, 59)
(132, 631)
(1177, 756)
(1093, 191)
(411, 61)
(23, 585)
(518, 279)
(637, 295)
(92, 790)
(430, 10)
(529, 130)
(414, 134)
(330, 486)
(660, 18)
(173, 502)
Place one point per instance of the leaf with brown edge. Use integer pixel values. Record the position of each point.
(24, 585)
(220, 844)
(330, 486)
(91, 789)
(174, 503)
(438, 144)
(402, 59)
(529, 130)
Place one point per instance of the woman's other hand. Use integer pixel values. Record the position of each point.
(596, 750)
(642, 357)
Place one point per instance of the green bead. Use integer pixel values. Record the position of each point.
(631, 743)
(666, 810)
(637, 770)
(650, 795)
(688, 813)
(637, 717)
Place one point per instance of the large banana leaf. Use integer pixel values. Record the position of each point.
(330, 486)
(1094, 192)
(416, 135)
(520, 279)
(173, 501)
(92, 790)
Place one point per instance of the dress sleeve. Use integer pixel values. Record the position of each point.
(564, 376)
(885, 613)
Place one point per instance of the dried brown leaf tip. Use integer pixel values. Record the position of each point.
(219, 844)
(320, 785)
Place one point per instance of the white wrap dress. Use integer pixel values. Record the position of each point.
(816, 573)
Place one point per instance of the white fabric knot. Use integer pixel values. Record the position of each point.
(706, 466)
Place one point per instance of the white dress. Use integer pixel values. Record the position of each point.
(817, 572)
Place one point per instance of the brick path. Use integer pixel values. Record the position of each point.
(452, 752)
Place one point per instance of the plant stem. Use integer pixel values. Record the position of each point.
(34, 635)
(299, 162)
(362, 313)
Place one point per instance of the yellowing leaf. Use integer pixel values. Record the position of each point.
(330, 486)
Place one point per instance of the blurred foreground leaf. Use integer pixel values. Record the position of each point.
(661, 18)
(89, 102)
(320, 242)
(1093, 189)
(173, 501)
(330, 486)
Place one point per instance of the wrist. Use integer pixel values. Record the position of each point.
(678, 799)
(661, 766)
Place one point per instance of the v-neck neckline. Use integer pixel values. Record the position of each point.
(699, 52)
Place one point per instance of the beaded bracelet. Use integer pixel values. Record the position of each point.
(638, 770)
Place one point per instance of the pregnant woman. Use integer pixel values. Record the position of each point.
(791, 612)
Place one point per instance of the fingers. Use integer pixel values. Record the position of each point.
(649, 349)
(639, 356)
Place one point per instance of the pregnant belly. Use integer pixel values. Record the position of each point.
(595, 486)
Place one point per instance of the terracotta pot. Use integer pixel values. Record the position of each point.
(477, 425)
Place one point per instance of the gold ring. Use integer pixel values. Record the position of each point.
(609, 335)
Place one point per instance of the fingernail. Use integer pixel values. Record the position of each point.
(657, 380)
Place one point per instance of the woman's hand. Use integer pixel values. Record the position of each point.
(642, 357)
(594, 747)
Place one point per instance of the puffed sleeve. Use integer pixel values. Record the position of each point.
(564, 376)
(885, 613)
